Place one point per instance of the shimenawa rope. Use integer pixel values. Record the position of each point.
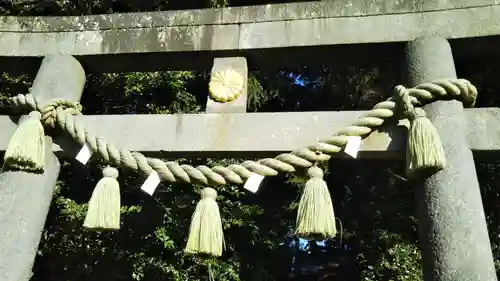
(424, 151)
(61, 112)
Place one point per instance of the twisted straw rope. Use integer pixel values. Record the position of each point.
(62, 113)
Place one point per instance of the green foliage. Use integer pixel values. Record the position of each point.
(400, 260)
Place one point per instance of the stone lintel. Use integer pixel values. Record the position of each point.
(234, 134)
(268, 35)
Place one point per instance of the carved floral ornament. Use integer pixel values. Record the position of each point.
(226, 85)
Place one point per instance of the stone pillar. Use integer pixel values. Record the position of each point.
(452, 225)
(25, 197)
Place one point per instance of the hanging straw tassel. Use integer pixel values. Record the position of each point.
(26, 149)
(205, 233)
(424, 150)
(315, 217)
(104, 205)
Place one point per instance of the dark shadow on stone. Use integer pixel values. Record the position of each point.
(11, 166)
(398, 134)
(70, 147)
(15, 118)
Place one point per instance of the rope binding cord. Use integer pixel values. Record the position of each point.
(205, 232)
(104, 206)
(424, 153)
(26, 148)
(315, 215)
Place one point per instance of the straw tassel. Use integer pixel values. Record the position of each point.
(104, 205)
(424, 150)
(205, 233)
(315, 216)
(26, 149)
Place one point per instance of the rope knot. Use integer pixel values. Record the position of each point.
(208, 192)
(110, 172)
(406, 104)
(469, 92)
(35, 114)
(49, 112)
(315, 172)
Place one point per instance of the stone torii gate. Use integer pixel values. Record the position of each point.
(452, 226)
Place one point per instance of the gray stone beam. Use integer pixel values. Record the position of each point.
(233, 15)
(452, 226)
(25, 197)
(260, 33)
(189, 135)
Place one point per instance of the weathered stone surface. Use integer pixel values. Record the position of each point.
(233, 15)
(479, 133)
(451, 221)
(56, 76)
(25, 197)
(24, 203)
(238, 31)
(205, 134)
